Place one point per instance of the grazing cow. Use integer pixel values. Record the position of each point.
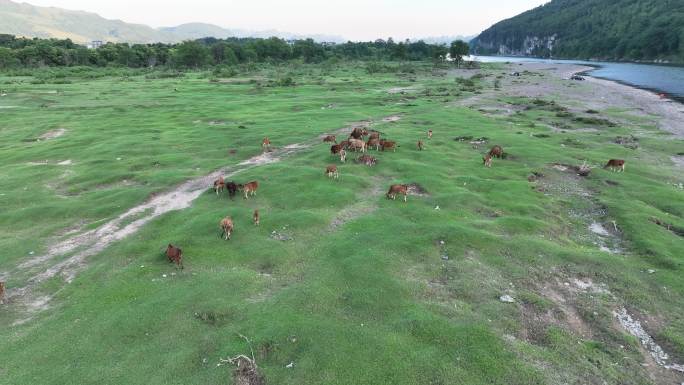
(496, 151)
(364, 132)
(255, 217)
(2, 292)
(397, 189)
(388, 145)
(175, 255)
(487, 160)
(367, 160)
(330, 139)
(335, 149)
(226, 226)
(615, 165)
(356, 144)
(429, 134)
(343, 156)
(266, 144)
(421, 147)
(331, 172)
(374, 135)
(219, 185)
(232, 188)
(250, 188)
(356, 133)
(345, 144)
(373, 142)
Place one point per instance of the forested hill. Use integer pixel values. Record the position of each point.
(635, 30)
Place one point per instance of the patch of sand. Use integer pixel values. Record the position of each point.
(52, 134)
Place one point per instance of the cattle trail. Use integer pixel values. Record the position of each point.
(80, 247)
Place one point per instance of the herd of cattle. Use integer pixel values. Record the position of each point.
(359, 139)
(355, 142)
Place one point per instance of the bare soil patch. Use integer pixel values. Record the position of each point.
(52, 134)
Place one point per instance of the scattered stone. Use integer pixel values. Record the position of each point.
(507, 298)
(290, 365)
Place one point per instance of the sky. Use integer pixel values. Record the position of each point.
(350, 19)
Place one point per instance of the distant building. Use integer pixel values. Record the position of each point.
(95, 44)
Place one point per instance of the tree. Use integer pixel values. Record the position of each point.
(7, 58)
(191, 54)
(458, 49)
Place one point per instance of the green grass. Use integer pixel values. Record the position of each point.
(369, 302)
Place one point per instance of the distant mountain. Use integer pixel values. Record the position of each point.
(648, 30)
(22, 19)
(49, 22)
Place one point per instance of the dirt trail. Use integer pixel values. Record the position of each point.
(81, 246)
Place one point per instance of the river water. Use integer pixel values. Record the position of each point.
(659, 78)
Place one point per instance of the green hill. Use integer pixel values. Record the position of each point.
(26, 20)
(648, 30)
(49, 22)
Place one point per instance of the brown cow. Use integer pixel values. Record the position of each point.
(219, 185)
(367, 160)
(331, 172)
(2, 292)
(330, 138)
(250, 188)
(496, 151)
(356, 133)
(374, 135)
(487, 160)
(373, 142)
(356, 144)
(266, 144)
(364, 132)
(388, 144)
(345, 144)
(397, 189)
(175, 255)
(335, 149)
(255, 217)
(226, 226)
(616, 165)
(429, 134)
(421, 147)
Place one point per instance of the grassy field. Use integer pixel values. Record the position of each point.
(345, 285)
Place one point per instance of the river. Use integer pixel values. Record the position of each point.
(659, 78)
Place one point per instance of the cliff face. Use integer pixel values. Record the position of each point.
(639, 30)
(530, 46)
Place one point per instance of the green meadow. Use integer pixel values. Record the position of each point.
(338, 285)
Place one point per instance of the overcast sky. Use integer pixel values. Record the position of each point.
(351, 19)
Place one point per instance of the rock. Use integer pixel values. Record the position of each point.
(651, 271)
(507, 298)
(290, 365)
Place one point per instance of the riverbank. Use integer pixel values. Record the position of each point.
(552, 80)
(669, 110)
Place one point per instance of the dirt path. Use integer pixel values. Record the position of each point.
(80, 247)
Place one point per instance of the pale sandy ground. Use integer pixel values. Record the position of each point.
(551, 81)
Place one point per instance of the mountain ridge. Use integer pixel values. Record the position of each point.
(619, 30)
(24, 19)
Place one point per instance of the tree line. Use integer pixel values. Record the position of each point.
(26, 52)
